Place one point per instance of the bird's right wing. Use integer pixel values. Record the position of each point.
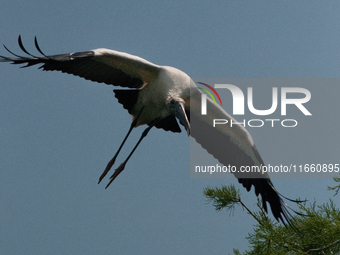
(235, 147)
(99, 65)
(230, 143)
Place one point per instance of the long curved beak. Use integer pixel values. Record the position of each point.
(180, 114)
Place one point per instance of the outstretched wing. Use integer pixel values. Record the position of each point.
(99, 65)
(234, 146)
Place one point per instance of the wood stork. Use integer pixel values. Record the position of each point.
(157, 95)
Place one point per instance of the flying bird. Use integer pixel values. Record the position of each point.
(159, 96)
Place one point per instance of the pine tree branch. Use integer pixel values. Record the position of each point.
(323, 248)
(250, 212)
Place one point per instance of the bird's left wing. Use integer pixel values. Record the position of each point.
(235, 147)
(99, 65)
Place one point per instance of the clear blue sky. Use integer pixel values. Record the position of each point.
(57, 131)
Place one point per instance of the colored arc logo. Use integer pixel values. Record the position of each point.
(209, 93)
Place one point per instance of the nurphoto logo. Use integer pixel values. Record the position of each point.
(302, 96)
